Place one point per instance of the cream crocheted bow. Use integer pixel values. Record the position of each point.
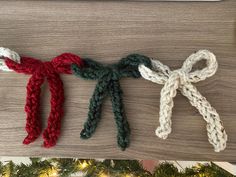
(182, 79)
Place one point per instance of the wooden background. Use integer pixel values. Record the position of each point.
(107, 31)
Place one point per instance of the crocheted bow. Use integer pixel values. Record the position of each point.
(41, 71)
(108, 84)
(181, 79)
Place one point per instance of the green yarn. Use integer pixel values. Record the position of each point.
(108, 77)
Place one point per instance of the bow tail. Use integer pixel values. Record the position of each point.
(33, 123)
(215, 130)
(52, 132)
(168, 92)
(95, 108)
(120, 117)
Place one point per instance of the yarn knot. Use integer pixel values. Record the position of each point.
(109, 71)
(179, 76)
(182, 79)
(48, 68)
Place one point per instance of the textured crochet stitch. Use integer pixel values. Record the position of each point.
(108, 77)
(181, 79)
(41, 71)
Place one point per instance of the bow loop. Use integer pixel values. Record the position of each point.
(199, 75)
(160, 73)
(62, 63)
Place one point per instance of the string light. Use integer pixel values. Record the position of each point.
(83, 165)
(103, 175)
(51, 172)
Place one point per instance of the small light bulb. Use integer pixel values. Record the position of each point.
(103, 175)
(83, 165)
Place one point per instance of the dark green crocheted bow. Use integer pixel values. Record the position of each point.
(108, 77)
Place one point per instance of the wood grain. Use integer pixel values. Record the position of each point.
(107, 31)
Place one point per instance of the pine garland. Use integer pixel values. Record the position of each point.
(108, 77)
(65, 167)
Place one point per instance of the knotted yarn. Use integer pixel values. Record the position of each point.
(41, 71)
(108, 77)
(182, 80)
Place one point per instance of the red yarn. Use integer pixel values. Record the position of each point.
(41, 71)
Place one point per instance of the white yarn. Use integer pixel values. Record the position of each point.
(7, 53)
(181, 79)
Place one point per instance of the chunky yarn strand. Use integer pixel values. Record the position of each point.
(40, 72)
(119, 113)
(33, 122)
(108, 77)
(182, 79)
(52, 132)
(95, 109)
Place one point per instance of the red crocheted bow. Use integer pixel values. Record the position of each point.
(40, 71)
